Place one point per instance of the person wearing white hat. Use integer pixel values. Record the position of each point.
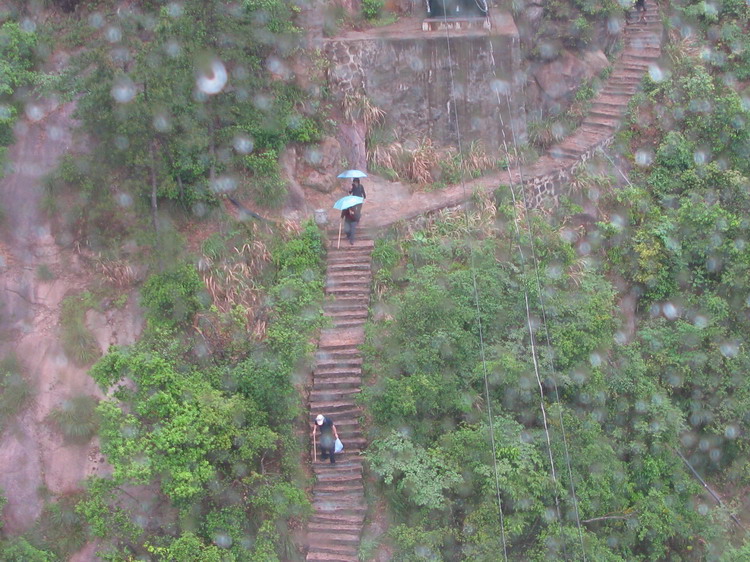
(328, 436)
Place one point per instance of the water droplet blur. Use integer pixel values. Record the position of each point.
(34, 112)
(113, 34)
(161, 123)
(28, 25)
(729, 349)
(500, 87)
(174, 9)
(222, 540)
(213, 79)
(222, 184)
(644, 157)
(655, 73)
(670, 311)
(124, 199)
(121, 142)
(96, 20)
(123, 90)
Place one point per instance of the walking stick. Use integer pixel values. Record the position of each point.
(315, 451)
(341, 221)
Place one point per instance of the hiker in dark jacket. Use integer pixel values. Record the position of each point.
(357, 189)
(328, 436)
(351, 219)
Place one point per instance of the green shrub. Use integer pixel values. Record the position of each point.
(371, 9)
(171, 298)
(14, 390)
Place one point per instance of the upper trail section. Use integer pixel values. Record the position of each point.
(546, 178)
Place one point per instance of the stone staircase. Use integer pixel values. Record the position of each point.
(548, 175)
(338, 493)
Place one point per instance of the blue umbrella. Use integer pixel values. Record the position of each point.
(348, 201)
(352, 174)
(345, 203)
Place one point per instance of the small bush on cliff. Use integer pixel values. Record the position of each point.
(371, 9)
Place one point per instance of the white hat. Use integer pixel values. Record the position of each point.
(319, 419)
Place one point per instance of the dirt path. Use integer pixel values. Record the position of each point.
(388, 203)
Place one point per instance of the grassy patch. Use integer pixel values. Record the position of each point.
(78, 342)
(14, 390)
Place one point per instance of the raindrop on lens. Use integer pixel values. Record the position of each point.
(700, 321)
(703, 509)
(28, 25)
(242, 144)
(96, 20)
(262, 102)
(124, 199)
(644, 157)
(655, 73)
(715, 455)
(122, 142)
(124, 90)
(700, 157)
(34, 112)
(223, 184)
(731, 432)
(729, 349)
(214, 79)
(113, 34)
(172, 48)
(500, 87)
(670, 310)
(161, 123)
(222, 540)
(174, 9)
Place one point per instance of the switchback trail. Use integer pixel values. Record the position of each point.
(338, 493)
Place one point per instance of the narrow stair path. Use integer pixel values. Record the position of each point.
(544, 178)
(338, 492)
(339, 505)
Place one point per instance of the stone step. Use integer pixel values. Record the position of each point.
(333, 394)
(325, 383)
(362, 285)
(349, 302)
(334, 537)
(340, 474)
(333, 553)
(351, 291)
(328, 372)
(362, 267)
(322, 506)
(336, 407)
(338, 362)
(326, 527)
(340, 351)
(348, 322)
(340, 519)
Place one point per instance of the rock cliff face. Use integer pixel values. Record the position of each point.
(435, 84)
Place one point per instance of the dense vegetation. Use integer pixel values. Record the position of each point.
(621, 409)
(509, 408)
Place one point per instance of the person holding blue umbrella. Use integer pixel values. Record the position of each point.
(351, 211)
(350, 215)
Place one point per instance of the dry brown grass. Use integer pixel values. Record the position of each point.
(234, 287)
(414, 164)
(359, 107)
(117, 273)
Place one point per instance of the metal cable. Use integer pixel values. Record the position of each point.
(476, 296)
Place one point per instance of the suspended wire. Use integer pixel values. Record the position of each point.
(553, 371)
(476, 295)
(541, 300)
